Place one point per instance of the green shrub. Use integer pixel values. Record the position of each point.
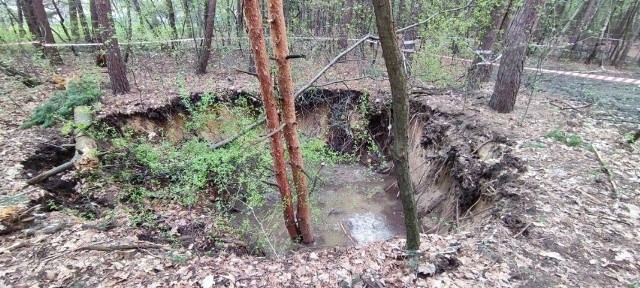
(85, 91)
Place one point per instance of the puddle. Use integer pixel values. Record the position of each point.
(350, 207)
(354, 207)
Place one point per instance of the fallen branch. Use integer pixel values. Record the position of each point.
(347, 234)
(85, 157)
(240, 134)
(333, 62)
(54, 171)
(25, 78)
(265, 137)
(111, 248)
(246, 72)
(614, 188)
(567, 105)
(522, 230)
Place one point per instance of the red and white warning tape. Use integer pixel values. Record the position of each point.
(568, 73)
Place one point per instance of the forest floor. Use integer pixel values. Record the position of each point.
(563, 225)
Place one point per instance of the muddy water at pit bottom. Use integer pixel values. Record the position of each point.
(350, 207)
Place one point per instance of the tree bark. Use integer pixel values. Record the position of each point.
(259, 49)
(83, 22)
(597, 47)
(239, 18)
(586, 16)
(97, 38)
(73, 19)
(30, 16)
(507, 84)
(21, 30)
(628, 31)
(480, 73)
(115, 65)
(285, 85)
(345, 24)
(205, 52)
(172, 18)
(47, 35)
(400, 106)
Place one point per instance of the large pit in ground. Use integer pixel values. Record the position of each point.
(458, 168)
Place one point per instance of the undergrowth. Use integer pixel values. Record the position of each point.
(236, 177)
(571, 140)
(59, 107)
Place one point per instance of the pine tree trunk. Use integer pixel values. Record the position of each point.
(507, 85)
(73, 19)
(586, 17)
(115, 65)
(94, 22)
(83, 22)
(205, 52)
(239, 18)
(172, 18)
(47, 35)
(285, 85)
(21, 30)
(344, 25)
(400, 106)
(628, 32)
(480, 73)
(30, 17)
(259, 49)
(597, 47)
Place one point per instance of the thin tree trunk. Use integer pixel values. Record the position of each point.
(20, 18)
(400, 106)
(285, 85)
(596, 48)
(344, 25)
(97, 38)
(172, 18)
(629, 40)
(628, 32)
(239, 18)
(481, 72)
(73, 19)
(115, 65)
(43, 22)
(259, 49)
(64, 28)
(507, 84)
(13, 19)
(205, 52)
(590, 9)
(30, 16)
(83, 22)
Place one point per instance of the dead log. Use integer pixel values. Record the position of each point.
(85, 145)
(86, 157)
(25, 78)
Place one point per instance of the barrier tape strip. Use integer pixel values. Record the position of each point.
(567, 73)
(546, 71)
